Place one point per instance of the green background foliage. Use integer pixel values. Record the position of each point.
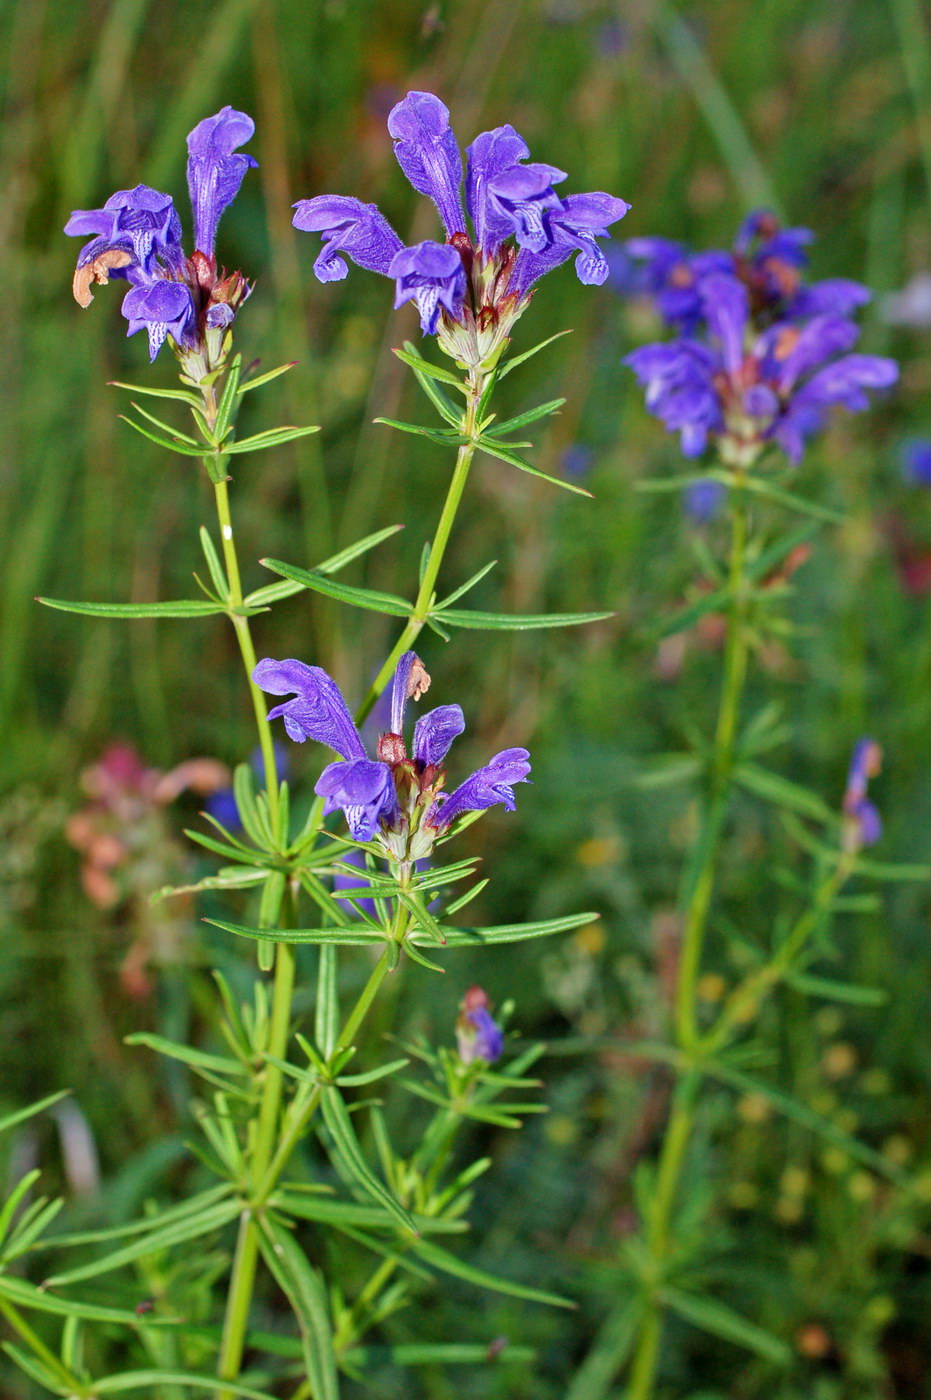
(821, 108)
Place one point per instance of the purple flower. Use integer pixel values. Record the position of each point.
(574, 227)
(703, 499)
(485, 788)
(760, 357)
(348, 226)
(473, 305)
(137, 236)
(432, 275)
(916, 462)
(862, 823)
(478, 1035)
(426, 150)
(214, 173)
(395, 797)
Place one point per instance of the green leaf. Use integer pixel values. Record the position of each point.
(169, 428)
(352, 551)
(195, 607)
(274, 437)
(146, 1380)
(511, 933)
(26, 1295)
(16, 1195)
(438, 1354)
(686, 617)
(721, 1321)
(543, 410)
(368, 598)
(326, 1011)
(784, 793)
(337, 1119)
(421, 913)
(509, 622)
(197, 1059)
(369, 1076)
(213, 563)
(265, 378)
(172, 444)
(766, 561)
(464, 588)
(440, 402)
(330, 1212)
(179, 1231)
(448, 1264)
(446, 437)
(30, 1111)
(307, 1294)
(138, 1227)
(46, 1377)
(806, 1117)
(348, 937)
(848, 992)
(410, 357)
(527, 354)
(227, 404)
(237, 854)
(503, 452)
(609, 1350)
(759, 486)
(181, 394)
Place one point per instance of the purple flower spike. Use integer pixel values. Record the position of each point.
(432, 275)
(319, 712)
(214, 173)
(162, 308)
(574, 227)
(427, 153)
(862, 822)
(485, 788)
(363, 789)
(348, 226)
(478, 1035)
(435, 731)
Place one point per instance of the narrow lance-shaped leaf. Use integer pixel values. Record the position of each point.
(522, 420)
(274, 437)
(368, 598)
(337, 1119)
(721, 1321)
(504, 452)
(515, 622)
(510, 933)
(448, 1264)
(306, 1292)
(349, 937)
(266, 378)
(193, 607)
(178, 1232)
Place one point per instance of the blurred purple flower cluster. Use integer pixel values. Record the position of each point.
(759, 355)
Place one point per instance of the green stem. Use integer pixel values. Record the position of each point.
(700, 887)
(39, 1349)
(247, 650)
(698, 891)
(425, 595)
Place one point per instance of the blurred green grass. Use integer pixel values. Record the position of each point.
(694, 114)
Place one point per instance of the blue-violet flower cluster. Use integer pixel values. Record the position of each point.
(395, 799)
(137, 236)
(862, 823)
(759, 355)
(469, 290)
(478, 1035)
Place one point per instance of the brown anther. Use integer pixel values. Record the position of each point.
(681, 276)
(418, 682)
(391, 749)
(786, 341)
(783, 274)
(97, 271)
